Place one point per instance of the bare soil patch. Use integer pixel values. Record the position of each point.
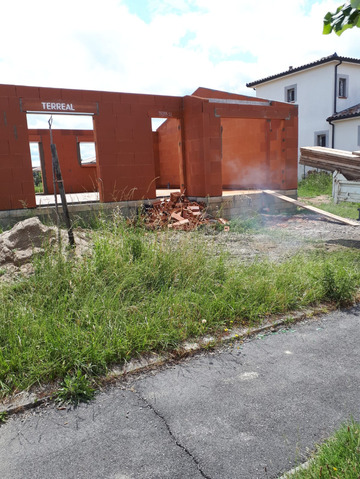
(283, 236)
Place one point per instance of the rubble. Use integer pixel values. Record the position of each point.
(26, 239)
(179, 213)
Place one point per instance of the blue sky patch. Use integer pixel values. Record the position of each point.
(217, 56)
(140, 8)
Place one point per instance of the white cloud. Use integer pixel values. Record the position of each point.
(186, 44)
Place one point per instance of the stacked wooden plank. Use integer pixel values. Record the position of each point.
(329, 159)
(178, 212)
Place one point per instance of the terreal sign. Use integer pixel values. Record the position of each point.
(58, 106)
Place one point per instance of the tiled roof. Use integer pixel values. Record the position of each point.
(347, 113)
(330, 58)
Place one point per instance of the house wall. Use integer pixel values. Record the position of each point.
(16, 180)
(202, 136)
(77, 178)
(170, 153)
(129, 156)
(259, 154)
(315, 97)
(251, 154)
(347, 134)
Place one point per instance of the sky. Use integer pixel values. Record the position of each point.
(168, 47)
(162, 46)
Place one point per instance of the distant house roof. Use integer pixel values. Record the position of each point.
(351, 112)
(330, 58)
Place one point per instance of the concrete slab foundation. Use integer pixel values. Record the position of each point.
(232, 204)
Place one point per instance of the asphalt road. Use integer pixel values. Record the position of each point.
(253, 412)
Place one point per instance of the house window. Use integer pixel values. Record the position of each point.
(343, 86)
(291, 93)
(321, 138)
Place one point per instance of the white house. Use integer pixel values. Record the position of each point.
(328, 94)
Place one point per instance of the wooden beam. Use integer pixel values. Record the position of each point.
(312, 208)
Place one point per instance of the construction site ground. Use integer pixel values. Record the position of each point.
(249, 410)
(277, 237)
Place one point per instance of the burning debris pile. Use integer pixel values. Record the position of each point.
(179, 213)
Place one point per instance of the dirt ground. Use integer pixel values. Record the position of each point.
(283, 236)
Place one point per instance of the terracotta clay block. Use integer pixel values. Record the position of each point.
(27, 92)
(5, 202)
(4, 146)
(8, 91)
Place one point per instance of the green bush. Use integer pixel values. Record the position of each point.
(315, 184)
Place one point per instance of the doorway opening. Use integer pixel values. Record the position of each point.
(168, 154)
(74, 138)
(36, 167)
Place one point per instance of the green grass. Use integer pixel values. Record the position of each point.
(315, 184)
(320, 184)
(144, 291)
(337, 458)
(74, 389)
(344, 209)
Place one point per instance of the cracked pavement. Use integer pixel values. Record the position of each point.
(246, 411)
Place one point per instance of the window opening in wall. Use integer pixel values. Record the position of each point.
(86, 153)
(156, 122)
(36, 167)
(75, 141)
(60, 122)
(290, 95)
(342, 87)
(321, 140)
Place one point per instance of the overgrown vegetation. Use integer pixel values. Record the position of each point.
(320, 184)
(315, 184)
(38, 182)
(75, 388)
(143, 291)
(339, 457)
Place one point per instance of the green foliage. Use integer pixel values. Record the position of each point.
(338, 285)
(75, 388)
(346, 16)
(315, 184)
(3, 417)
(344, 209)
(141, 291)
(246, 225)
(339, 457)
(37, 178)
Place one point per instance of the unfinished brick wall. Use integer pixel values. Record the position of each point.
(77, 178)
(253, 155)
(130, 157)
(16, 180)
(202, 135)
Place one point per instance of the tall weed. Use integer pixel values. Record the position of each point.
(142, 291)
